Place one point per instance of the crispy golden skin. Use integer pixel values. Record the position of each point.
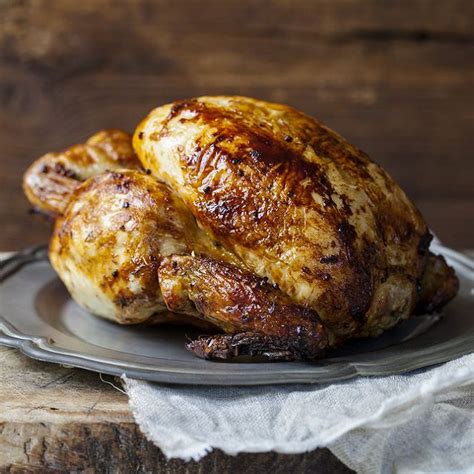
(297, 203)
(109, 243)
(256, 220)
(438, 285)
(239, 302)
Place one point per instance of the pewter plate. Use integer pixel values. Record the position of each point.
(38, 317)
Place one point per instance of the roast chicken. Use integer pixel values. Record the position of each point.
(250, 220)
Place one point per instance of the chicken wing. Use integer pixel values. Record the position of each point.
(49, 182)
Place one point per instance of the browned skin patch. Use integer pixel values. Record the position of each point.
(259, 164)
(237, 301)
(104, 241)
(257, 192)
(247, 344)
(437, 286)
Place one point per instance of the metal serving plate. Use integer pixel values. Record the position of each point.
(38, 317)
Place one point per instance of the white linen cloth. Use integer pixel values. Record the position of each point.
(420, 422)
(417, 422)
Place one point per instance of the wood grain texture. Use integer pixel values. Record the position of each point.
(396, 78)
(57, 419)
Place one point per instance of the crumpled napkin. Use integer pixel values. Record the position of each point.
(422, 421)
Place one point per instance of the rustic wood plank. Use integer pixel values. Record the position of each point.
(62, 419)
(34, 392)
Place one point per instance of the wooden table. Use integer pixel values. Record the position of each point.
(65, 419)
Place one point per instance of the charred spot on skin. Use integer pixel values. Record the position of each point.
(45, 169)
(126, 205)
(123, 301)
(181, 105)
(346, 233)
(329, 259)
(345, 204)
(357, 313)
(424, 244)
(60, 169)
(288, 138)
(240, 173)
(140, 135)
(324, 276)
(219, 138)
(148, 171)
(115, 273)
(207, 190)
(221, 209)
(122, 227)
(123, 187)
(306, 270)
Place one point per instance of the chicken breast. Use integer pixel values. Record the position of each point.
(295, 202)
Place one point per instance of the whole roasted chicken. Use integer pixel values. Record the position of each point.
(248, 219)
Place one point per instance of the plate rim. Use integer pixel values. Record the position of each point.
(43, 349)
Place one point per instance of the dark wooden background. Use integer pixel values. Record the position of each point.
(394, 77)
